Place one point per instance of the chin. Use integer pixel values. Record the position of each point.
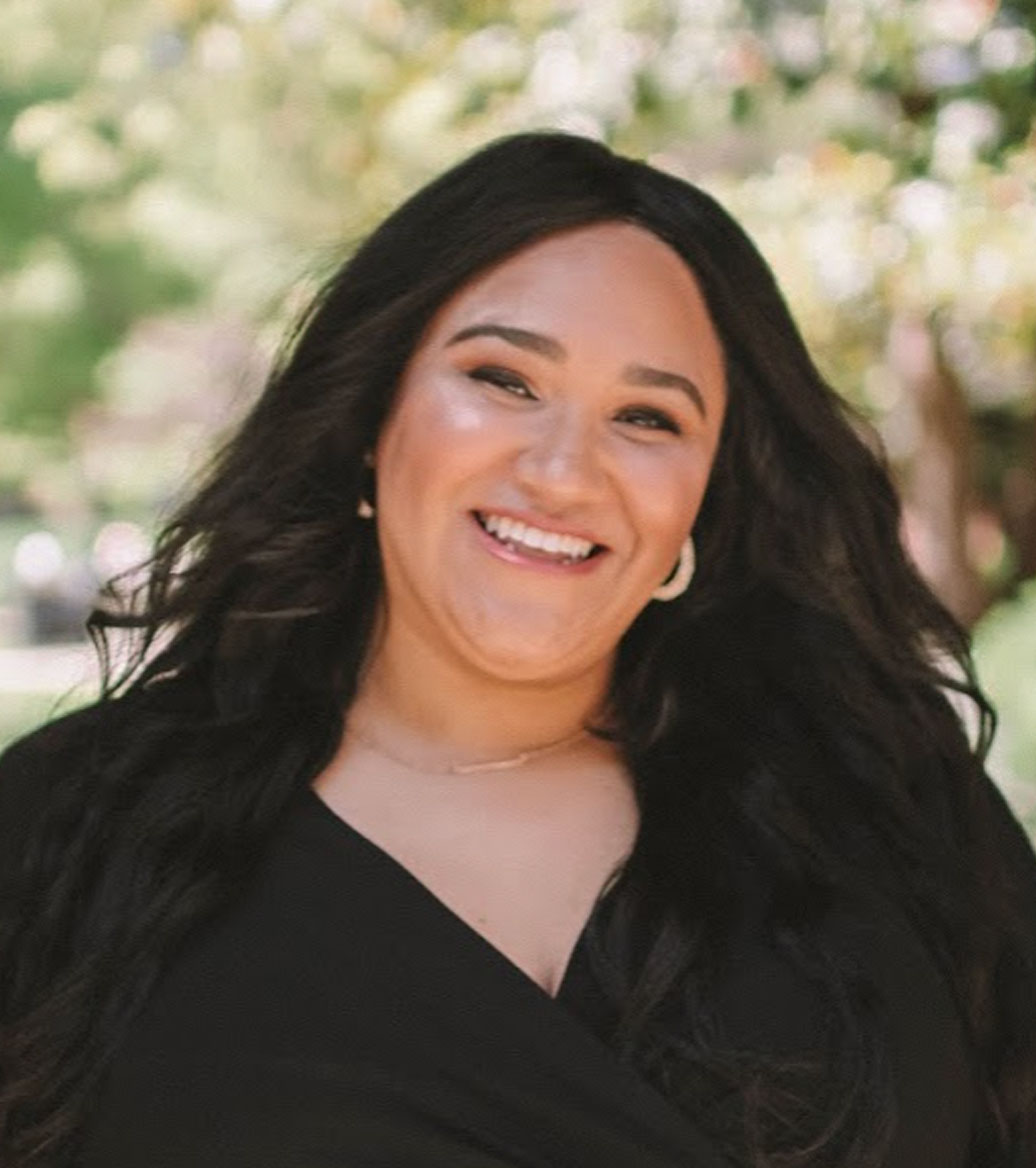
(526, 662)
(512, 643)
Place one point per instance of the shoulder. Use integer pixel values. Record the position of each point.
(52, 739)
(1010, 841)
(39, 768)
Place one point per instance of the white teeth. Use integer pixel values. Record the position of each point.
(514, 531)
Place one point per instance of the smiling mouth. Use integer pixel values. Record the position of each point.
(535, 543)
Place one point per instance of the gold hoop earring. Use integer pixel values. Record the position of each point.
(365, 508)
(677, 583)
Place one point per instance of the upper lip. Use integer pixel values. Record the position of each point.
(530, 519)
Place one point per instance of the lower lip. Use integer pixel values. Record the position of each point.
(513, 555)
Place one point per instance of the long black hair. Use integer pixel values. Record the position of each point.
(804, 679)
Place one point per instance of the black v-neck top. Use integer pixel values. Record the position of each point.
(339, 1015)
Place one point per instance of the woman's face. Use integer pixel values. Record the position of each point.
(566, 401)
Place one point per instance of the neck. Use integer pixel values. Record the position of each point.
(429, 704)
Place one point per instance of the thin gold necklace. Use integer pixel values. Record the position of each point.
(470, 768)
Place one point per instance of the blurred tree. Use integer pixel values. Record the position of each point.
(170, 167)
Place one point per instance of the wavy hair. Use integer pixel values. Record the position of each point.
(803, 681)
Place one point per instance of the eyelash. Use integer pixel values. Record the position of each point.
(512, 383)
(658, 419)
(501, 378)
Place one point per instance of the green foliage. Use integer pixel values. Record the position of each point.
(160, 151)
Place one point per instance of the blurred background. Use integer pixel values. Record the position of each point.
(176, 177)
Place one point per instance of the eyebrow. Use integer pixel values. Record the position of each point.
(554, 350)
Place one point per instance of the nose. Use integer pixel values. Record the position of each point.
(562, 460)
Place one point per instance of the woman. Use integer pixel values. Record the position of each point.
(440, 819)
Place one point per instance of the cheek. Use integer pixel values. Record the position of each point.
(667, 498)
(427, 426)
(435, 416)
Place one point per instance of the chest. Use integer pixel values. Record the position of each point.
(520, 861)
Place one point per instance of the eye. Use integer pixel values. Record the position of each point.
(503, 379)
(648, 418)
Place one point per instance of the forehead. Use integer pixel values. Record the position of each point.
(614, 288)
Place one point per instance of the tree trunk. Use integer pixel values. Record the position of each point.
(1019, 505)
(937, 487)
